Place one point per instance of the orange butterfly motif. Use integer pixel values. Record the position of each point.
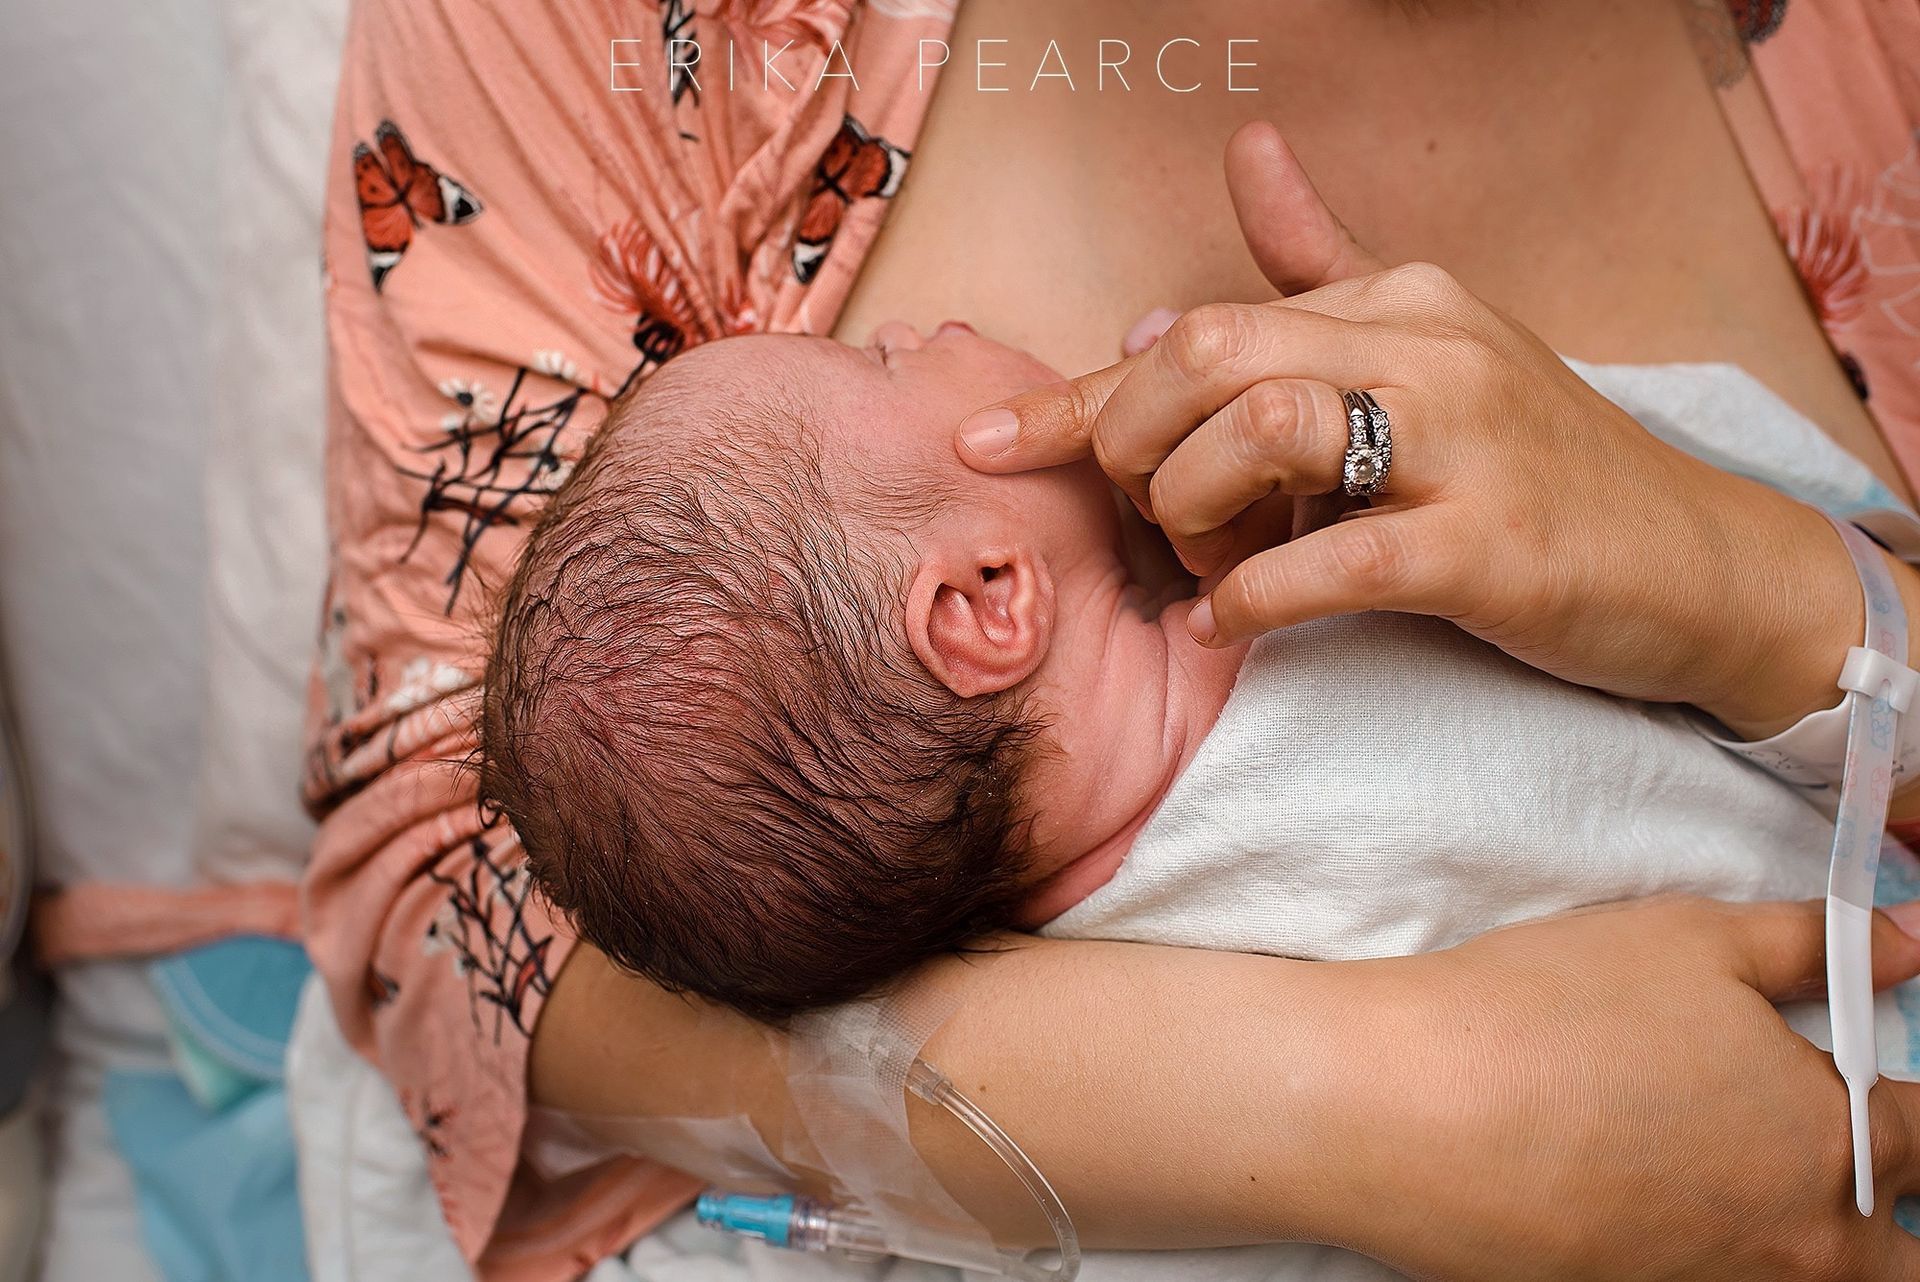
(857, 166)
(400, 193)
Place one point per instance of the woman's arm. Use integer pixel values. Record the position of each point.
(1607, 1094)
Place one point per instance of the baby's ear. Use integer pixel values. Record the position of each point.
(980, 622)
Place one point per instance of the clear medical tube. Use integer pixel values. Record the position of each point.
(805, 1224)
(933, 1086)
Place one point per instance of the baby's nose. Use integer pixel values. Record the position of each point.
(898, 336)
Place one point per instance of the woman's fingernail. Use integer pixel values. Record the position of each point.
(1147, 330)
(989, 432)
(1906, 916)
(1200, 623)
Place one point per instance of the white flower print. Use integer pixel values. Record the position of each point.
(475, 403)
(555, 364)
(422, 681)
(442, 932)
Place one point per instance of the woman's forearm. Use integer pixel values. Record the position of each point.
(1173, 1097)
(1604, 1095)
(1781, 657)
(1794, 608)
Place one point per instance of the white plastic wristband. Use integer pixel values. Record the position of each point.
(1870, 673)
(1880, 686)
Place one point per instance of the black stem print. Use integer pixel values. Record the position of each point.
(489, 469)
(504, 963)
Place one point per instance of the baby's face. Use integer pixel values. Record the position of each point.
(886, 415)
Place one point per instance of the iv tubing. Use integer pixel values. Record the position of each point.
(804, 1224)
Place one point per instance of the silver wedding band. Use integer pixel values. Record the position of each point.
(1369, 445)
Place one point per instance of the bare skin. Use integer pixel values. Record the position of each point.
(1622, 564)
(1568, 163)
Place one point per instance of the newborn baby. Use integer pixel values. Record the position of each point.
(786, 699)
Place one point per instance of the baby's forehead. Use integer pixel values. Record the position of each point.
(799, 380)
(758, 364)
(729, 393)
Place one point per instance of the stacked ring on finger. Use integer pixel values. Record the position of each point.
(1369, 445)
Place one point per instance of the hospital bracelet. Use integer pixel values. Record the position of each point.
(1880, 687)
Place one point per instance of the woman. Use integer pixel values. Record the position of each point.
(511, 242)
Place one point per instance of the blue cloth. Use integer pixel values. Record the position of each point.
(217, 1192)
(230, 1009)
(211, 1146)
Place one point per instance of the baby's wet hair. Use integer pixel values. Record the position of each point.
(724, 761)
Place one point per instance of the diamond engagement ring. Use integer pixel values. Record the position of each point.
(1369, 445)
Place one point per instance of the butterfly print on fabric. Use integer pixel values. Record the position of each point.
(399, 194)
(1756, 20)
(382, 988)
(857, 166)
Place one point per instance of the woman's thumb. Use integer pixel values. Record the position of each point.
(1780, 948)
(1296, 240)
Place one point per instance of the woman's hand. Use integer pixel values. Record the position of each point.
(1611, 1095)
(1521, 504)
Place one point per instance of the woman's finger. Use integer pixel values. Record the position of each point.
(1215, 353)
(1388, 561)
(1045, 427)
(1269, 522)
(1780, 949)
(1895, 1108)
(1296, 239)
(1286, 435)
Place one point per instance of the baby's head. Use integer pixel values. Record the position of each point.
(769, 677)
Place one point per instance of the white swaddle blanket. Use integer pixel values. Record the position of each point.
(1384, 784)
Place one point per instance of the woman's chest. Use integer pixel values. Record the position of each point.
(1569, 162)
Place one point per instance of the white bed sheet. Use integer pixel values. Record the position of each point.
(160, 531)
(104, 398)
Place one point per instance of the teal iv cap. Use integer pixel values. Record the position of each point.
(769, 1219)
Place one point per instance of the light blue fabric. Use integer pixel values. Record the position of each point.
(234, 1000)
(217, 1192)
(211, 1147)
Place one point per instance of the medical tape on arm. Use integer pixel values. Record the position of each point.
(850, 1071)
